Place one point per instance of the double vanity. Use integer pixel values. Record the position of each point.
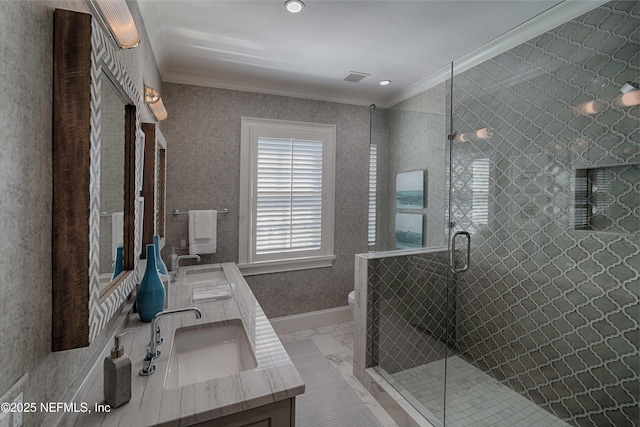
(227, 368)
(221, 362)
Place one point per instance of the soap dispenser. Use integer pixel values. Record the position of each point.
(173, 260)
(117, 375)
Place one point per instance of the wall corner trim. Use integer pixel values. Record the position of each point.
(548, 20)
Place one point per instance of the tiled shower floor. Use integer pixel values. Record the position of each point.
(473, 397)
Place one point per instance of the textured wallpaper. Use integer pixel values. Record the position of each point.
(411, 136)
(203, 172)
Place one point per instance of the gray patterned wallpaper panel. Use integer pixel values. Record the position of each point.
(203, 133)
(549, 310)
(411, 136)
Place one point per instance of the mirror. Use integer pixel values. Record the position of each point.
(153, 184)
(96, 130)
(112, 154)
(161, 212)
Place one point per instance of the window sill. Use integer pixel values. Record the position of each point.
(267, 267)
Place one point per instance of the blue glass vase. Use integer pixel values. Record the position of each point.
(162, 268)
(117, 267)
(150, 299)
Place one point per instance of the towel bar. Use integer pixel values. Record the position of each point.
(177, 212)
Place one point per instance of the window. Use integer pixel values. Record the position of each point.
(373, 163)
(286, 196)
(480, 190)
(581, 209)
(600, 198)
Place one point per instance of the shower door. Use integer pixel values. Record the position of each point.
(544, 177)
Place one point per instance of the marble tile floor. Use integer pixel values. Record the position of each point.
(336, 344)
(473, 397)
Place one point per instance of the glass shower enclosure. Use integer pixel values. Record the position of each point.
(504, 273)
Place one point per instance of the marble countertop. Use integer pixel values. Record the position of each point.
(274, 379)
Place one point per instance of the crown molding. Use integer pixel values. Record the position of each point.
(153, 25)
(267, 88)
(547, 20)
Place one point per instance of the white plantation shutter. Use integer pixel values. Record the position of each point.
(289, 195)
(592, 195)
(480, 190)
(581, 209)
(373, 164)
(604, 200)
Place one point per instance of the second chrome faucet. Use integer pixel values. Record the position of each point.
(148, 367)
(176, 267)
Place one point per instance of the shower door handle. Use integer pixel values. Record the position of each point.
(452, 254)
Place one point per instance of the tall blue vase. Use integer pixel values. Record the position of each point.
(150, 299)
(162, 268)
(117, 268)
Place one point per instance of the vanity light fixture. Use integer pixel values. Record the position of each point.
(116, 17)
(294, 6)
(385, 82)
(630, 95)
(629, 99)
(484, 133)
(154, 102)
(629, 87)
(589, 108)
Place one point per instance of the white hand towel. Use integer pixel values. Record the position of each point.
(203, 232)
(203, 224)
(117, 232)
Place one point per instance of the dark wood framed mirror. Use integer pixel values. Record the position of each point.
(162, 191)
(96, 131)
(153, 184)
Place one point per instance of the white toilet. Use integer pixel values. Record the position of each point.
(352, 300)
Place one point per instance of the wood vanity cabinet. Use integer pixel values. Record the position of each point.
(278, 414)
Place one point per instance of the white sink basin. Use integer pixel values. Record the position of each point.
(205, 352)
(208, 276)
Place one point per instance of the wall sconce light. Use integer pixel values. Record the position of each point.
(484, 133)
(154, 102)
(629, 87)
(116, 17)
(629, 97)
(589, 108)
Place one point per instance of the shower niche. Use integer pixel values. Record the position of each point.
(607, 199)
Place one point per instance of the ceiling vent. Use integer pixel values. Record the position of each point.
(355, 76)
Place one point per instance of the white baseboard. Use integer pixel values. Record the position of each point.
(313, 319)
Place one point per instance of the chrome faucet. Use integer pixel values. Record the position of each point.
(181, 257)
(148, 367)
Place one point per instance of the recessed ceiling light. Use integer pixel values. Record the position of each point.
(385, 82)
(294, 6)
